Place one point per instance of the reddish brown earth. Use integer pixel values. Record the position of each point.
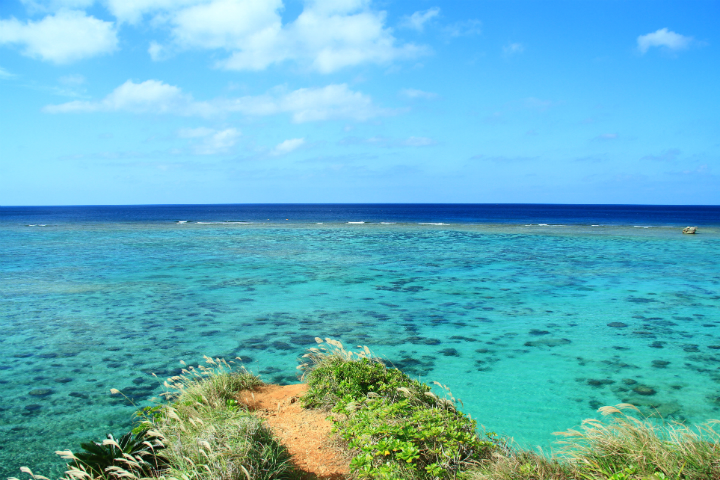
(305, 432)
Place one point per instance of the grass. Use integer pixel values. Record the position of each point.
(209, 436)
(393, 426)
(201, 432)
(623, 448)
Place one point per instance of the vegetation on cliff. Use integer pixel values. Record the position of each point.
(392, 426)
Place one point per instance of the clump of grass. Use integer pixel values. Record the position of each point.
(623, 448)
(209, 436)
(394, 425)
(641, 447)
(202, 431)
(523, 465)
(213, 385)
(204, 443)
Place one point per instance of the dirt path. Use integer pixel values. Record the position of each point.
(306, 433)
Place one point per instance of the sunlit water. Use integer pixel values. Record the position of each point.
(533, 327)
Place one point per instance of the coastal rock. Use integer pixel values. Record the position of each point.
(548, 342)
(41, 392)
(450, 352)
(600, 383)
(689, 230)
(644, 390)
(537, 333)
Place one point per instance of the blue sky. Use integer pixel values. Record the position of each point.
(242, 101)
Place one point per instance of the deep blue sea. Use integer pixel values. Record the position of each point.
(533, 315)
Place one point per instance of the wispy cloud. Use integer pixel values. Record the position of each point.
(287, 146)
(418, 142)
(417, 20)
(604, 137)
(387, 142)
(669, 155)
(5, 74)
(503, 158)
(663, 38)
(465, 28)
(207, 141)
(533, 103)
(513, 49)
(72, 80)
(304, 105)
(413, 93)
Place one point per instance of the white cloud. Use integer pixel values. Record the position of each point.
(312, 104)
(513, 49)
(417, 20)
(663, 38)
(283, 148)
(211, 142)
(327, 36)
(65, 37)
(151, 96)
(414, 93)
(304, 105)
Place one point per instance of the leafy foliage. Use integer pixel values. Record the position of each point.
(133, 452)
(396, 427)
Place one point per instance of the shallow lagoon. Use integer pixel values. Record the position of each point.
(533, 327)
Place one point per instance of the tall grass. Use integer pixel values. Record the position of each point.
(644, 447)
(209, 436)
(204, 434)
(624, 447)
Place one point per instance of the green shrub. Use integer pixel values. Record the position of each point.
(395, 426)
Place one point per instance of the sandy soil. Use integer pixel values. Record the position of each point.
(306, 433)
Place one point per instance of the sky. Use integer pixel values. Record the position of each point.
(108, 102)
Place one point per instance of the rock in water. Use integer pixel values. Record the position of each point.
(690, 230)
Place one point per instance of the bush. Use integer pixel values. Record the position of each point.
(394, 425)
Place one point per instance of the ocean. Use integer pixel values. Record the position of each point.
(533, 315)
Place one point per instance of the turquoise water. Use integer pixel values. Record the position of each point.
(514, 319)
